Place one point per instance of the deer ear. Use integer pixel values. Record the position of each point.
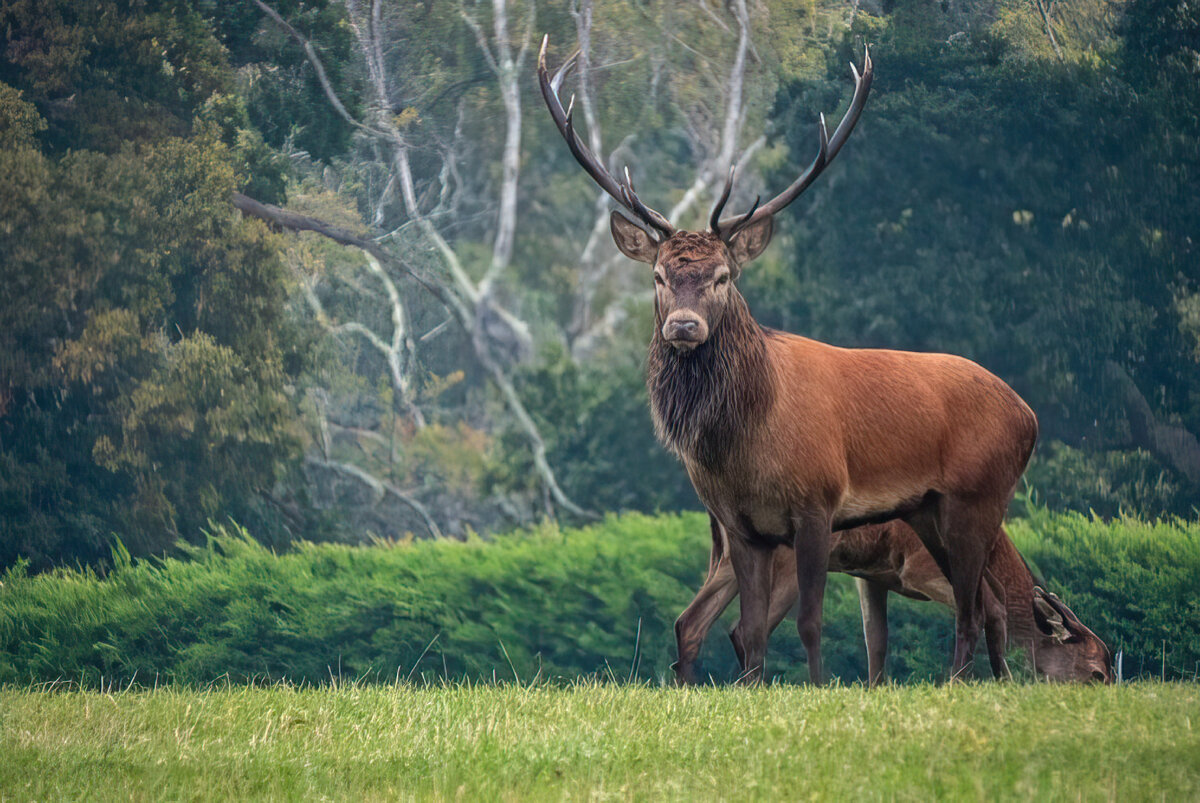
(751, 241)
(1048, 619)
(632, 239)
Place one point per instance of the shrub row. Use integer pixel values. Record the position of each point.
(546, 603)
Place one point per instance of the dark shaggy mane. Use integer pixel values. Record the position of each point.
(704, 401)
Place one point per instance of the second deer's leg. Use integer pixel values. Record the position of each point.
(692, 626)
(995, 626)
(812, 544)
(872, 599)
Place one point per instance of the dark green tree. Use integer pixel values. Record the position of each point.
(147, 354)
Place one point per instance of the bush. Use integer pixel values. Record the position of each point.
(1108, 483)
(546, 603)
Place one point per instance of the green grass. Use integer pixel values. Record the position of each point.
(387, 742)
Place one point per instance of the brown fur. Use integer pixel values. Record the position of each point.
(786, 439)
(890, 558)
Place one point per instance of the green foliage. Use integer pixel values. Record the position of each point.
(19, 121)
(284, 99)
(601, 437)
(546, 603)
(1108, 484)
(147, 354)
(146, 345)
(107, 72)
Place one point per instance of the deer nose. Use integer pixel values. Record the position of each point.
(686, 330)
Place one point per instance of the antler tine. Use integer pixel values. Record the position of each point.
(622, 193)
(830, 145)
(714, 220)
(862, 87)
(646, 213)
(564, 69)
(741, 222)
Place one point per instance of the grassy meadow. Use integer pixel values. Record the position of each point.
(603, 741)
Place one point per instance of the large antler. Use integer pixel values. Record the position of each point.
(829, 147)
(622, 192)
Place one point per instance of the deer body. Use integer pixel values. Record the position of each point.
(787, 439)
(860, 434)
(891, 558)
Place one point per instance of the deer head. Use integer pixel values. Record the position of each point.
(1065, 648)
(694, 272)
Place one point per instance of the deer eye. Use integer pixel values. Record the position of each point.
(658, 279)
(722, 279)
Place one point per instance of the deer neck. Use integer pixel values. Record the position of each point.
(1010, 569)
(706, 402)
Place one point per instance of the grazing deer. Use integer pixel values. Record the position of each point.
(890, 557)
(787, 439)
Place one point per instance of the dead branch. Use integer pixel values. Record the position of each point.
(1170, 444)
(311, 54)
(1041, 7)
(379, 488)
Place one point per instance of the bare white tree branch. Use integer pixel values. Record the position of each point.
(379, 488)
(313, 59)
(466, 300)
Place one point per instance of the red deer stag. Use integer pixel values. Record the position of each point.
(890, 557)
(787, 439)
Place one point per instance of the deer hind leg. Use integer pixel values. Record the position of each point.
(872, 598)
(960, 533)
(968, 529)
(812, 544)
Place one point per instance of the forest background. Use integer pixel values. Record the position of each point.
(455, 346)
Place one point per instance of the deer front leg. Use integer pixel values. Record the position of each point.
(872, 599)
(783, 597)
(752, 567)
(813, 538)
(692, 626)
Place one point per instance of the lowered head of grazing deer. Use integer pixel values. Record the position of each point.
(787, 439)
(1064, 647)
